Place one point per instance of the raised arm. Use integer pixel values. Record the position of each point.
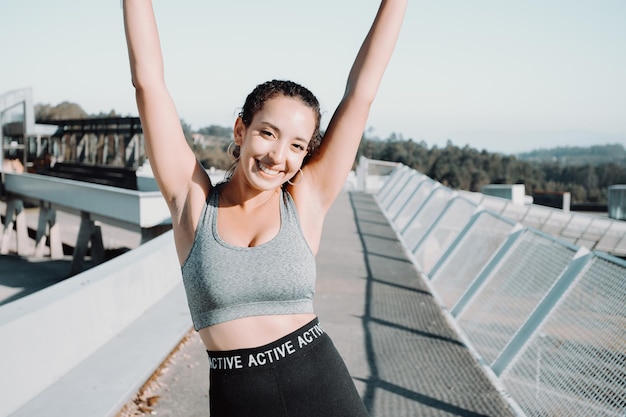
(181, 178)
(331, 166)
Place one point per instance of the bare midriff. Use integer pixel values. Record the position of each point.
(250, 332)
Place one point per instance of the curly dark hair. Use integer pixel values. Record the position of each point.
(271, 89)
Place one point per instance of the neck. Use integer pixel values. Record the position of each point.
(244, 197)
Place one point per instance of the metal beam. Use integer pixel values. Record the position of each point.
(112, 205)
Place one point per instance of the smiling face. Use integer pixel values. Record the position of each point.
(275, 143)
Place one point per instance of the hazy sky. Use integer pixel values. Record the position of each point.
(506, 76)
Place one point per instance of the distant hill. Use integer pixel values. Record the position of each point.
(593, 155)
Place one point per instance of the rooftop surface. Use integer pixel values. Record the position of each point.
(402, 351)
(398, 342)
(400, 348)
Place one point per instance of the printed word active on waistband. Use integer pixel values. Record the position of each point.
(269, 356)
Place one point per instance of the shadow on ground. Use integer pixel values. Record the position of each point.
(21, 276)
(413, 352)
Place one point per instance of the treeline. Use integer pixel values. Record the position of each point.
(467, 168)
(66, 111)
(576, 155)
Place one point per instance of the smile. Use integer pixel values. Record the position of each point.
(266, 169)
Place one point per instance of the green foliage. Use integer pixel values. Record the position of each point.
(469, 169)
(217, 131)
(187, 131)
(597, 154)
(210, 144)
(214, 156)
(67, 111)
(63, 111)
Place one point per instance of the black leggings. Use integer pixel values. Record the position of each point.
(299, 375)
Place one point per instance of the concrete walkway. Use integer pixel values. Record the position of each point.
(403, 354)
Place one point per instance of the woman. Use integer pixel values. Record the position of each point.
(247, 246)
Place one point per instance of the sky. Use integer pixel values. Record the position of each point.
(505, 76)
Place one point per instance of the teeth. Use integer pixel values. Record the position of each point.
(267, 170)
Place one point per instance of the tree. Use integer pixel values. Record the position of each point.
(219, 131)
(63, 111)
(187, 132)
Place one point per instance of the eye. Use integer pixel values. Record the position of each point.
(267, 134)
(299, 147)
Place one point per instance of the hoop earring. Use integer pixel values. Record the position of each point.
(301, 178)
(231, 152)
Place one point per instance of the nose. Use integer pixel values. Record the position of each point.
(278, 153)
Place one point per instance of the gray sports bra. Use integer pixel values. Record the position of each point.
(225, 282)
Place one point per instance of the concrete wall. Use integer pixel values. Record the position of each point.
(513, 192)
(46, 334)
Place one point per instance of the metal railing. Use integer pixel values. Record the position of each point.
(592, 232)
(528, 287)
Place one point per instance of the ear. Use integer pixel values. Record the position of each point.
(239, 131)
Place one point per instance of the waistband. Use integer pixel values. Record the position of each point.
(287, 347)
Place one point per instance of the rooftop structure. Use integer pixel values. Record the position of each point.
(443, 302)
